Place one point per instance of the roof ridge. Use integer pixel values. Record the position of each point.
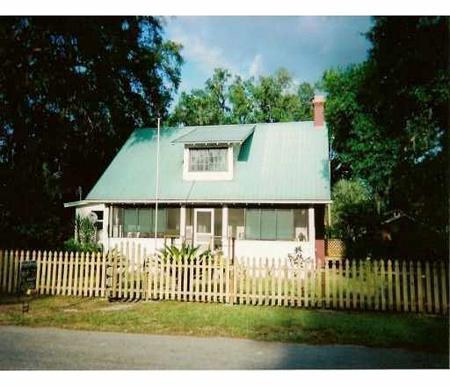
(221, 125)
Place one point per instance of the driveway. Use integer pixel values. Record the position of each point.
(58, 349)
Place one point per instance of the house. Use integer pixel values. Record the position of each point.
(250, 190)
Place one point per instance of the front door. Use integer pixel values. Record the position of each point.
(204, 227)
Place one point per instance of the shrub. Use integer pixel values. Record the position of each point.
(85, 240)
(187, 251)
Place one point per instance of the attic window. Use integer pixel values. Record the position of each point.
(208, 159)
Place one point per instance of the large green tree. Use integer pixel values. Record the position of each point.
(224, 99)
(71, 90)
(388, 120)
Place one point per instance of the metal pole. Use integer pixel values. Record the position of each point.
(157, 185)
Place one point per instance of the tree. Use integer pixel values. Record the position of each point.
(71, 91)
(388, 119)
(359, 149)
(272, 98)
(208, 106)
(354, 218)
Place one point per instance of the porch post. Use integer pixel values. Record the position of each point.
(312, 232)
(225, 246)
(183, 223)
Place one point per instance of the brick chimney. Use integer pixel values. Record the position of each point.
(319, 111)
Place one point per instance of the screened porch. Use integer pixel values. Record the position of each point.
(236, 230)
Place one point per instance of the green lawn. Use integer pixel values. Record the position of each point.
(429, 333)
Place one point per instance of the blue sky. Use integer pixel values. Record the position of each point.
(254, 46)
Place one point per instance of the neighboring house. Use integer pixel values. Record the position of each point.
(254, 190)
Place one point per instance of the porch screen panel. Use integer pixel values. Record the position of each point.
(117, 222)
(268, 224)
(130, 220)
(236, 223)
(252, 224)
(285, 224)
(146, 220)
(162, 220)
(173, 221)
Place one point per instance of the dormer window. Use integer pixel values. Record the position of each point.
(208, 159)
(208, 162)
(208, 152)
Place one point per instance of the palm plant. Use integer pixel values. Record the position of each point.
(188, 252)
(169, 253)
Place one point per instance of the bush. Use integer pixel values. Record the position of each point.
(85, 240)
(73, 245)
(189, 252)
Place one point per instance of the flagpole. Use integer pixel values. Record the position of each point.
(157, 185)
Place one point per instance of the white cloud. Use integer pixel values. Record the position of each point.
(256, 66)
(197, 51)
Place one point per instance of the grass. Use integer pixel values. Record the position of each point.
(412, 331)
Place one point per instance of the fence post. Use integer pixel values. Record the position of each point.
(65, 270)
(305, 275)
(428, 287)
(39, 271)
(13, 268)
(58, 277)
(412, 286)
(327, 285)
(382, 285)
(4, 264)
(52, 267)
(437, 305)
(112, 261)
(398, 300)
(98, 273)
(76, 275)
(312, 284)
(390, 287)
(376, 285)
(444, 288)
(362, 285)
(405, 287)
(419, 287)
(83, 273)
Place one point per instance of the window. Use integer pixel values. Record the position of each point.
(269, 224)
(208, 159)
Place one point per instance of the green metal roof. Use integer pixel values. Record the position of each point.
(278, 162)
(223, 134)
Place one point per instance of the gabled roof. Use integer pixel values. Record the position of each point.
(276, 162)
(223, 134)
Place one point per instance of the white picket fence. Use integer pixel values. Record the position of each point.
(129, 274)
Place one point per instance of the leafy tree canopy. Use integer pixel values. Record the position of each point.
(388, 120)
(354, 218)
(232, 100)
(71, 91)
